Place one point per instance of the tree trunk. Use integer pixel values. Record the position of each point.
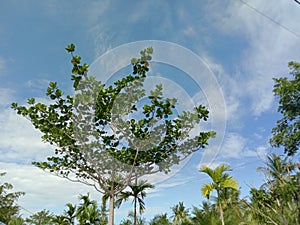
(221, 214)
(134, 213)
(111, 209)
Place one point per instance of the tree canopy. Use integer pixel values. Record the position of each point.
(103, 138)
(286, 134)
(8, 201)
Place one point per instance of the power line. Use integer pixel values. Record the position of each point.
(297, 1)
(271, 19)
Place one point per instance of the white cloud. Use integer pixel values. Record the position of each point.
(38, 84)
(212, 165)
(270, 46)
(262, 152)
(233, 146)
(229, 87)
(19, 140)
(43, 191)
(6, 96)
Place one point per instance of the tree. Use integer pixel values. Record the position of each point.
(222, 182)
(130, 220)
(138, 193)
(88, 212)
(68, 217)
(277, 170)
(205, 215)
(287, 131)
(160, 220)
(278, 200)
(8, 206)
(43, 217)
(103, 138)
(70, 214)
(180, 214)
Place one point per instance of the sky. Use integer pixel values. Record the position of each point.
(222, 54)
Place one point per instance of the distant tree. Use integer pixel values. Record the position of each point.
(286, 134)
(207, 215)
(130, 220)
(8, 202)
(138, 193)
(277, 170)
(221, 183)
(160, 220)
(68, 217)
(126, 222)
(278, 200)
(43, 217)
(180, 214)
(101, 135)
(88, 212)
(70, 213)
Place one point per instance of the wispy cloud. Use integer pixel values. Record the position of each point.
(20, 141)
(266, 56)
(6, 96)
(43, 191)
(233, 146)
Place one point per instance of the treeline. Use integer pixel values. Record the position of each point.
(276, 202)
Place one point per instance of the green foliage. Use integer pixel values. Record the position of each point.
(160, 220)
(131, 220)
(224, 184)
(180, 215)
(138, 193)
(100, 134)
(70, 48)
(8, 206)
(221, 180)
(16, 221)
(287, 130)
(86, 213)
(43, 217)
(278, 200)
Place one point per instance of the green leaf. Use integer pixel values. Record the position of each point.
(70, 48)
(31, 101)
(53, 85)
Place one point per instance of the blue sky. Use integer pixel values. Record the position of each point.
(244, 44)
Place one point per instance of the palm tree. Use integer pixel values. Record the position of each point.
(180, 214)
(160, 220)
(70, 214)
(221, 183)
(277, 170)
(204, 215)
(43, 217)
(138, 193)
(279, 196)
(87, 211)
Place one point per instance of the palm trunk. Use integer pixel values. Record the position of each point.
(111, 209)
(220, 207)
(221, 214)
(134, 213)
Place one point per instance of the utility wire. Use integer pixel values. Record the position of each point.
(297, 1)
(271, 19)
